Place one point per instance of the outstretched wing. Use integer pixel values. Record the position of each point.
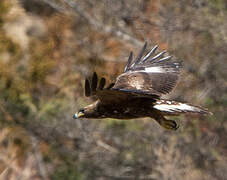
(108, 95)
(147, 76)
(149, 73)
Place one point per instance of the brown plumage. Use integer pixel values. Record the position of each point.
(137, 91)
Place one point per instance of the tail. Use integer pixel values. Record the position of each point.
(169, 107)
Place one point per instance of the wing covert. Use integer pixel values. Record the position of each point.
(108, 95)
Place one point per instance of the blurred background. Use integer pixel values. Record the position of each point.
(48, 47)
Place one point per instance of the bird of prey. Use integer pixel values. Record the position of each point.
(137, 92)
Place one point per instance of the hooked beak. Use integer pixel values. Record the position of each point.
(78, 115)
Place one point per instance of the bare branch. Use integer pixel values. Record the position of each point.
(64, 6)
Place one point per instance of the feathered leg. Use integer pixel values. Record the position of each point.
(167, 124)
(168, 108)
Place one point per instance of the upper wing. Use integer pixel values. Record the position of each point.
(109, 95)
(150, 73)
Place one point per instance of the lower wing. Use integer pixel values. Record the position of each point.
(168, 107)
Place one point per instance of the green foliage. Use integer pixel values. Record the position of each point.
(23, 82)
(4, 8)
(125, 125)
(114, 123)
(219, 4)
(67, 172)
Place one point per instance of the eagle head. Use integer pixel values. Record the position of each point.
(90, 111)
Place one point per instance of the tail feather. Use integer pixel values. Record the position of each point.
(174, 108)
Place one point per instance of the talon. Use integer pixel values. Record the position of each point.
(169, 124)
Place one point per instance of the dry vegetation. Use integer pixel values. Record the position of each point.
(47, 48)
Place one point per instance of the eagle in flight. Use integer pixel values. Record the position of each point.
(137, 92)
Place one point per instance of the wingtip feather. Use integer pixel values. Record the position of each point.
(149, 54)
(102, 83)
(140, 55)
(129, 61)
(87, 88)
(158, 56)
(94, 82)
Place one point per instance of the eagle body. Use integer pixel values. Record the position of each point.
(126, 110)
(137, 92)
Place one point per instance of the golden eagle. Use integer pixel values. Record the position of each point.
(136, 92)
